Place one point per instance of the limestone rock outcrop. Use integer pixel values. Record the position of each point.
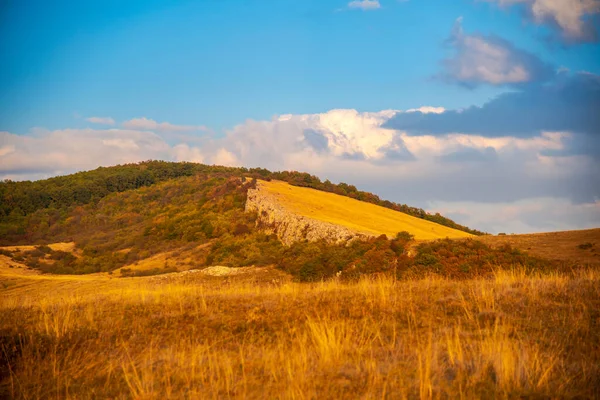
(273, 218)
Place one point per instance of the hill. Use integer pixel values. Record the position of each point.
(158, 217)
(20, 200)
(155, 218)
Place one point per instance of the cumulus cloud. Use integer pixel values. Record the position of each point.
(415, 168)
(364, 4)
(337, 133)
(427, 110)
(101, 120)
(480, 59)
(185, 152)
(151, 125)
(572, 18)
(50, 153)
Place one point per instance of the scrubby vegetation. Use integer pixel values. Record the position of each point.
(123, 228)
(229, 241)
(516, 335)
(203, 216)
(120, 215)
(200, 209)
(463, 259)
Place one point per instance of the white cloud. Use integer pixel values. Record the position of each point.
(62, 151)
(434, 146)
(101, 120)
(123, 144)
(364, 4)
(428, 110)
(183, 152)
(151, 125)
(489, 59)
(4, 150)
(225, 157)
(570, 16)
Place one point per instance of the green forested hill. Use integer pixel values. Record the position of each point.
(21, 199)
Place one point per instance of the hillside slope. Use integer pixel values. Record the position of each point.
(358, 216)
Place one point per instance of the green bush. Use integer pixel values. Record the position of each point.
(404, 235)
(426, 259)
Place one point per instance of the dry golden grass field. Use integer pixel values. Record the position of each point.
(354, 214)
(262, 336)
(582, 246)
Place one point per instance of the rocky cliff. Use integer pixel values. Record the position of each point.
(289, 227)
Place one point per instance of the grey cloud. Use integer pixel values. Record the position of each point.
(316, 140)
(480, 59)
(573, 21)
(584, 144)
(570, 103)
(357, 156)
(469, 154)
(397, 151)
(400, 154)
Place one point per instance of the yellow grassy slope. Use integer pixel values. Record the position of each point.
(354, 214)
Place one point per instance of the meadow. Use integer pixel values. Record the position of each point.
(261, 335)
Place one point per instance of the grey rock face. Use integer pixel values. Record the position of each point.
(289, 227)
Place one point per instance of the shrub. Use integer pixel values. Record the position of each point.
(147, 272)
(35, 253)
(44, 249)
(404, 235)
(309, 272)
(241, 229)
(426, 259)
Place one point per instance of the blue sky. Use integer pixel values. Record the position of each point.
(218, 63)
(199, 80)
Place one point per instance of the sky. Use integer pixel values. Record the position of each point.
(487, 111)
